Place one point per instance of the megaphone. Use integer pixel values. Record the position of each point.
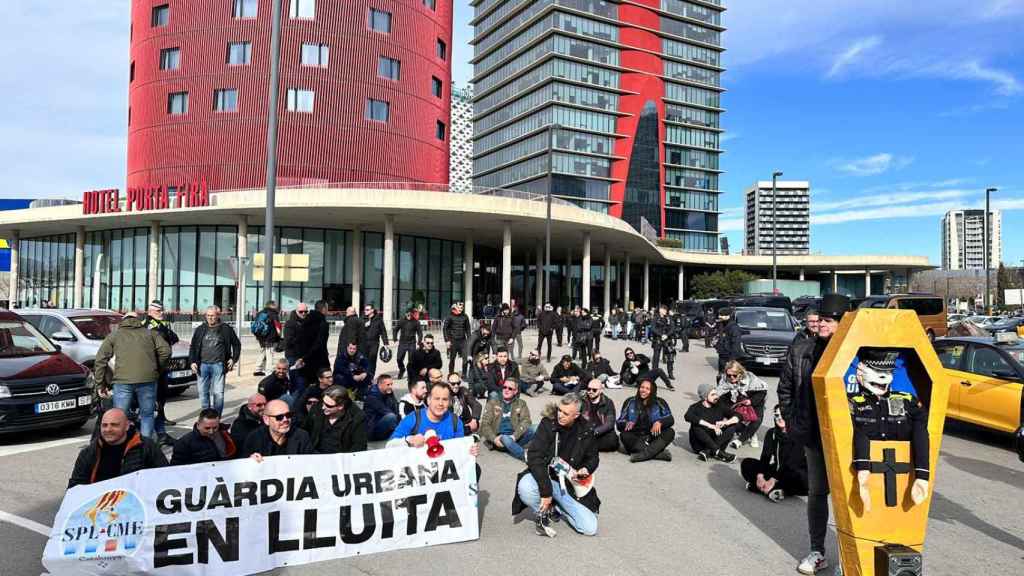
(434, 447)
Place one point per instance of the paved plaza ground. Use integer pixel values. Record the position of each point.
(679, 517)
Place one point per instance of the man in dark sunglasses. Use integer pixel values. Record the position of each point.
(506, 425)
(278, 437)
(599, 410)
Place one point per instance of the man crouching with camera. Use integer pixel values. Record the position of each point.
(561, 460)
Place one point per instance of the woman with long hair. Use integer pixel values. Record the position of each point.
(645, 425)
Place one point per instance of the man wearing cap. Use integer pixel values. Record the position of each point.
(799, 410)
(456, 331)
(547, 322)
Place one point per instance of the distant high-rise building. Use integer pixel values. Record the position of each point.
(633, 90)
(963, 239)
(460, 159)
(793, 203)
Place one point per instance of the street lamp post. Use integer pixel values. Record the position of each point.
(547, 222)
(775, 234)
(268, 226)
(985, 250)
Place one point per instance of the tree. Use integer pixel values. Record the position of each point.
(721, 284)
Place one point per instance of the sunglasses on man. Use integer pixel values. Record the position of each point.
(281, 417)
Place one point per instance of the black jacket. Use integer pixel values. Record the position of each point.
(782, 458)
(481, 344)
(503, 329)
(260, 442)
(273, 387)
(581, 327)
(547, 322)
(410, 331)
(421, 359)
(232, 351)
(728, 346)
(576, 445)
(347, 434)
(602, 366)
(319, 357)
(643, 366)
(376, 334)
(796, 394)
(496, 377)
(300, 338)
(566, 321)
(559, 372)
(456, 327)
(596, 325)
(661, 326)
(518, 323)
(601, 415)
(139, 454)
(352, 330)
(243, 425)
(466, 407)
(194, 448)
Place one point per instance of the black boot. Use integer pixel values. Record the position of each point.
(664, 455)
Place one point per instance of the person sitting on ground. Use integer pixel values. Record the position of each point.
(119, 450)
(567, 376)
(436, 416)
(499, 371)
(506, 424)
(601, 369)
(637, 368)
(276, 384)
(645, 425)
(413, 400)
(277, 437)
(478, 376)
(565, 489)
(712, 425)
(306, 402)
(209, 441)
(482, 341)
(380, 409)
(742, 388)
(338, 426)
(464, 404)
(532, 373)
(599, 410)
(423, 359)
(782, 469)
(250, 418)
(352, 370)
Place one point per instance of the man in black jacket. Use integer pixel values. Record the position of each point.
(563, 438)
(352, 330)
(376, 335)
(601, 369)
(456, 331)
(596, 330)
(482, 341)
(337, 425)
(250, 418)
(209, 441)
(276, 384)
(599, 410)
(582, 336)
(518, 325)
(408, 336)
(503, 328)
(118, 450)
(547, 322)
(799, 410)
(661, 332)
(729, 337)
(301, 339)
(213, 352)
(499, 371)
(277, 437)
(423, 359)
(567, 376)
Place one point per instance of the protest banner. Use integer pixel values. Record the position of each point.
(243, 517)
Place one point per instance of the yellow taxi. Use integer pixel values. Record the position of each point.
(986, 378)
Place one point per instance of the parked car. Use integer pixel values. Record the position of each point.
(986, 377)
(1007, 325)
(954, 318)
(764, 300)
(40, 386)
(767, 335)
(693, 310)
(931, 309)
(80, 331)
(982, 320)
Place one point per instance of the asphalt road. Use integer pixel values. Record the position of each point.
(679, 517)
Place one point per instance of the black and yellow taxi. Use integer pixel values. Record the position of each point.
(986, 379)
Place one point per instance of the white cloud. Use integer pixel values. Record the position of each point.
(889, 199)
(873, 165)
(852, 54)
(1006, 84)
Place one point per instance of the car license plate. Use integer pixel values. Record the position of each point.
(84, 401)
(767, 361)
(180, 373)
(56, 405)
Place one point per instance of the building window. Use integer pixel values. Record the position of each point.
(177, 103)
(160, 16)
(225, 100)
(244, 8)
(300, 100)
(170, 58)
(442, 49)
(440, 130)
(377, 110)
(303, 9)
(379, 21)
(315, 55)
(239, 53)
(131, 72)
(388, 68)
(436, 86)
(432, 4)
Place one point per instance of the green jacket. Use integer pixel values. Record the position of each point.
(140, 354)
(490, 420)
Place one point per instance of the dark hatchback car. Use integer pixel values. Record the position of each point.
(40, 387)
(767, 335)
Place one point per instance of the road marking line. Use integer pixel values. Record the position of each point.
(25, 523)
(12, 450)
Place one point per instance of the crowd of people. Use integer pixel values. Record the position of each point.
(307, 405)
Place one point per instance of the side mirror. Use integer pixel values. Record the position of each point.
(62, 336)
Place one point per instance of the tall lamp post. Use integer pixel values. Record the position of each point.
(268, 226)
(775, 234)
(986, 250)
(547, 222)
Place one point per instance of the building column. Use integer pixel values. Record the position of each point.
(467, 274)
(607, 280)
(79, 266)
(585, 270)
(567, 277)
(12, 293)
(625, 287)
(539, 283)
(154, 260)
(387, 297)
(647, 284)
(835, 281)
(867, 283)
(801, 274)
(357, 267)
(506, 263)
(243, 259)
(682, 283)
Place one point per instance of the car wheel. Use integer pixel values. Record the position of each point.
(931, 336)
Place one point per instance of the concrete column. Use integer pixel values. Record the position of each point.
(867, 283)
(625, 279)
(79, 266)
(154, 260)
(585, 270)
(801, 274)
(506, 263)
(357, 267)
(567, 278)
(243, 253)
(539, 282)
(607, 280)
(647, 284)
(467, 274)
(12, 295)
(835, 281)
(682, 283)
(387, 297)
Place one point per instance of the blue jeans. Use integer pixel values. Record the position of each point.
(145, 394)
(384, 427)
(517, 448)
(211, 386)
(577, 515)
(615, 331)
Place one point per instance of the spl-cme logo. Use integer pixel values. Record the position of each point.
(111, 525)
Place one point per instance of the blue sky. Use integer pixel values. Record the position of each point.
(895, 111)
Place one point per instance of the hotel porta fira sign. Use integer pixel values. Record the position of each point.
(145, 198)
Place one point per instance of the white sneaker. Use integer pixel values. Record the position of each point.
(754, 442)
(813, 563)
(776, 495)
(735, 444)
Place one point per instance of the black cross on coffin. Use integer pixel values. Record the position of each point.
(889, 467)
